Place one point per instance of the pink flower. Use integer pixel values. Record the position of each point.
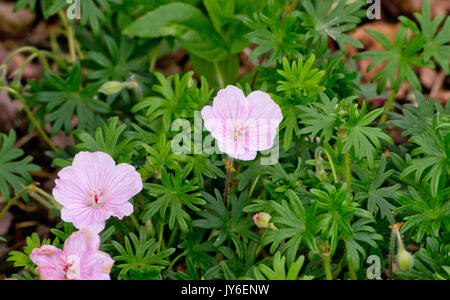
(242, 125)
(80, 259)
(93, 189)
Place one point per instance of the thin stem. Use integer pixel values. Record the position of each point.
(333, 170)
(41, 200)
(391, 253)
(32, 118)
(11, 202)
(348, 173)
(134, 221)
(173, 235)
(160, 237)
(253, 186)
(220, 80)
(55, 203)
(70, 36)
(228, 181)
(387, 106)
(351, 270)
(175, 260)
(326, 265)
(30, 49)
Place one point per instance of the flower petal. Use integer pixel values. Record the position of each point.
(96, 265)
(229, 104)
(48, 255)
(124, 183)
(95, 167)
(50, 273)
(81, 242)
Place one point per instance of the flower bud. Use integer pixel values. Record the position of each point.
(404, 260)
(111, 87)
(262, 219)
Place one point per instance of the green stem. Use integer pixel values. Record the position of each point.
(326, 265)
(135, 222)
(391, 253)
(11, 202)
(32, 118)
(160, 237)
(55, 203)
(220, 80)
(253, 186)
(30, 49)
(387, 106)
(348, 173)
(70, 36)
(41, 200)
(175, 260)
(351, 270)
(173, 235)
(228, 182)
(330, 160)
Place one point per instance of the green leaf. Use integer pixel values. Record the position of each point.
(14, 168)
(188, 24)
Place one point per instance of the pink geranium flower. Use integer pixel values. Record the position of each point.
(242, 125)
(94, 188)
(80, 259)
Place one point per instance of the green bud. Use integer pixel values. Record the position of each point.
(404, 260)
(262, 219)
(111, 87)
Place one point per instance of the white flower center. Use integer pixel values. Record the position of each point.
(96, 198)
(72, 267)
(238, 129)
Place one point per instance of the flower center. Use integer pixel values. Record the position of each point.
(238, 130)
(72, 267)
(96, 198)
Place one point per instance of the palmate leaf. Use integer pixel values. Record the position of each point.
(66, 98)
(175, 193)
(370, 186)
(279, 38)
(437, 44)
(432, 164)
(14, 170)
(22, 259)
(325, 19)
(140, 254)
(188, 24)
(296, 226)
(278, 270)
(427, 214)
(361, 138)
(415, 119)
(320, 117)
(235, 227)
(401, 57)
(178, 98)
(362, 233)
(109, 139)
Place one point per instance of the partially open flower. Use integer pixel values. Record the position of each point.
(242, 125)
(80, 259)
(94, 188)
(262, 219)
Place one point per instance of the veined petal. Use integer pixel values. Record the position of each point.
(81, 242)
(96, 265)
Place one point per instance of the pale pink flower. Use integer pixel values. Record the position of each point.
(242, 125)
(94, 188)
(80, 259)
